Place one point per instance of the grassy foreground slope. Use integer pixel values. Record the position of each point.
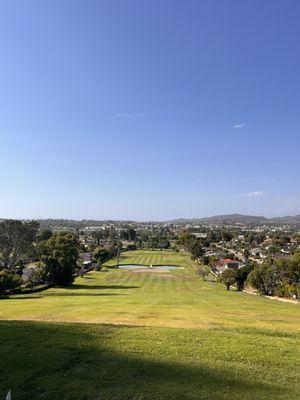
(85, 361)
(158, 336)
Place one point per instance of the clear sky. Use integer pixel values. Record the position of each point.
(139, 109)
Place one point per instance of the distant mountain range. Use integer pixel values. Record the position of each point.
(230, 219)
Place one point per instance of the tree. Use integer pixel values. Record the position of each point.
(153, 242)
(246, 254)
(16, 241)
(60, 255)
(98, 235)
(203, 271)
(131, 234)
(266, 277)
(228, 278)
(241, 275)
(196, 249)
(187, 239)
(163, 244)
(9, 281)
(100, 255)
(191, 244)
(45, 234)
(226, 235)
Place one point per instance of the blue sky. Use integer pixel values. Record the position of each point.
(142, 110)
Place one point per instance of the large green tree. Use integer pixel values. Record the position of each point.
(281, 277)
(45, 234)
(16, 241)
(241, 274)
(196, 249)
(228, 278)
(60, 255)
(187, 239)
(100, 255)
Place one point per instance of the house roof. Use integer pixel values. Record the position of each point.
(228, 261)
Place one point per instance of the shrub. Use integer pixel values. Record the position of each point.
(131, 247)
(37, 276)
(9, 281)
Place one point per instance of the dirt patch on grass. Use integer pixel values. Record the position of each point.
(149, 271)
(283, 299)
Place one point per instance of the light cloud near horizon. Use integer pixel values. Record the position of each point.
(239, 126)
(128, 115)
(257, 193)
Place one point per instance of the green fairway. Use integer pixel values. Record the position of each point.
(174, 298)
(148, 258)
(161, 335)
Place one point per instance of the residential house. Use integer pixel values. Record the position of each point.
(223, 264)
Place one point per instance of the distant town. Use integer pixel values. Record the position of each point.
(237, 237)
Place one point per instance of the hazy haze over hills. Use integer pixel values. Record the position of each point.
(226, 219)
(243, 219)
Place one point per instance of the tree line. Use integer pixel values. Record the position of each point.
(56, 255)
(273, 277)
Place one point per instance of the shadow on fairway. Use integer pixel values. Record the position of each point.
(80, 294)
(100, 287)
(84, 290)
(20, 297)
(76, 361)
(74, 290)
(56, 294)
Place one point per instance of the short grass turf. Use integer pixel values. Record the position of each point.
(84, 361)
(148, 335)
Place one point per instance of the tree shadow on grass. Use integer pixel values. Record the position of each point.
(56, 294)
(85, 292)
(79, 362)
(62, 294)
(19, 297)
(100, 287)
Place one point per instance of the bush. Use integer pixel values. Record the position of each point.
(288, 290)
(36, 277)
(131, 247)
(9, 281)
